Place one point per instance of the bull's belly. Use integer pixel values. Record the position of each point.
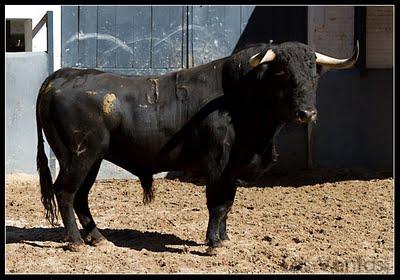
(153, 154)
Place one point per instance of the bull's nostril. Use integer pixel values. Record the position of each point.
(306, 115)
(302, 115)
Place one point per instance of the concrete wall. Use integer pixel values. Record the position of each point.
(355, 121)
(354, 127)
(25, 73)
(379, 37)
(331, 29)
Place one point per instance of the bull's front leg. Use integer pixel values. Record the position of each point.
(219, 202)
(223, 235)
(218, 140)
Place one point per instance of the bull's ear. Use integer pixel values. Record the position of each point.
(255, 59)
(262, 57)
(321, 70)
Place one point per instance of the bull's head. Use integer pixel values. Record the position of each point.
(292, 70)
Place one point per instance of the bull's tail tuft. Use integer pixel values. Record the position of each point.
(46, 185)
(147, 185)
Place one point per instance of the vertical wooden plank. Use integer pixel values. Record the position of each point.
(231, 29)
(124, 32)
(190, 36)
(141, 37)
(185, 53)
(69, 36)
(167, 36)
(106, 40)
(200, 34)
(87, 36)
(216, 30)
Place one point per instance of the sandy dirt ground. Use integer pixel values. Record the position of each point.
(311, 223)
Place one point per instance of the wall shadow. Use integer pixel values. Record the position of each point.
(315, 176)
(129, 238)
(298, 178)
(277, 23)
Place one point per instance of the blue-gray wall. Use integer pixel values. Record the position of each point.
(25, 73)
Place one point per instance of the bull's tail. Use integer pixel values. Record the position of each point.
(147, 185)
(46, 185)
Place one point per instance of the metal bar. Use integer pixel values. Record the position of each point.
(360, 31)
(310, 41)
(50, 47)
(39, 26)
(50, 60)
(360, 23)
(310, 145)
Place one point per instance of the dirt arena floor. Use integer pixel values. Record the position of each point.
(320, 222)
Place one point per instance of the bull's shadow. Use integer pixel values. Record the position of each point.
(129, 238)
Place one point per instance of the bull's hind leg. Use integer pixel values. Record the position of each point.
(81, 206)
(69, 180)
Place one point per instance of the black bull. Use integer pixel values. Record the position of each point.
(219, 119)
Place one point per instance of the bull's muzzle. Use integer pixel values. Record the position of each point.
(306, 116)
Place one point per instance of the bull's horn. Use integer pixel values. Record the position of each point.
(335, 63)
(256, 59)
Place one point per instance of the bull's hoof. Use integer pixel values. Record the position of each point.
(99, 242)
(94, 238)
(214, 243)
(226, 242)
(211, 251)
(74, 247)
(223, 237)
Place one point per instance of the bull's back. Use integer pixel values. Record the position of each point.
(147, 118)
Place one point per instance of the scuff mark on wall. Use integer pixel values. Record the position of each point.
(124, 45)
(100, 36)
(164, 39)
